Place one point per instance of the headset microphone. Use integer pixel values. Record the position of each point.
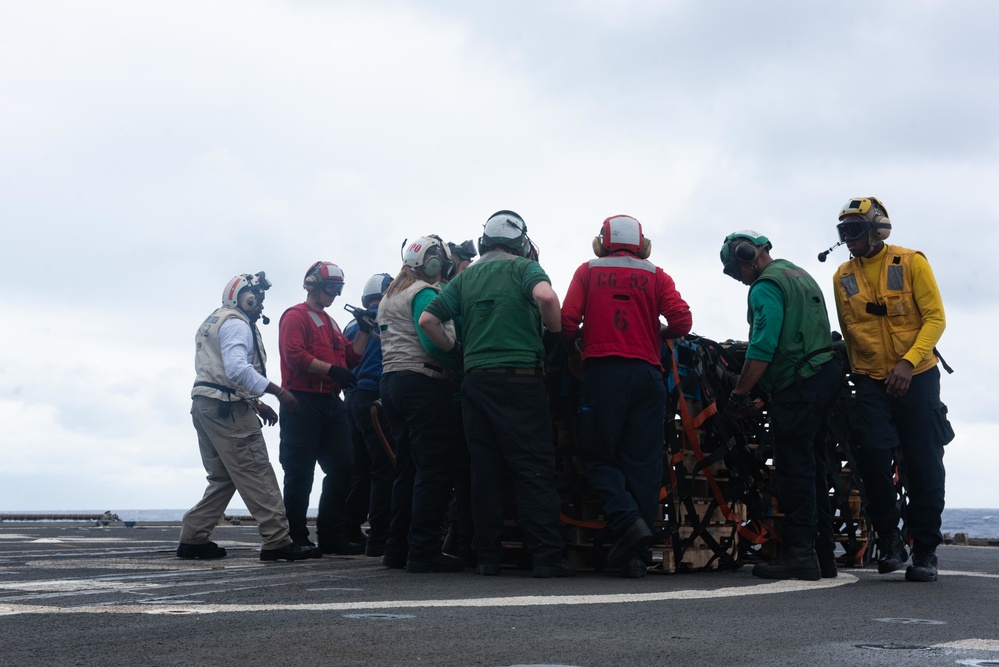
(265, 319)
(823, 255)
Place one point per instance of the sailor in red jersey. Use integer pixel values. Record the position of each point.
(619, 297)
(315, 357)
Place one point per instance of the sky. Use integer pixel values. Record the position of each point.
(151, 151)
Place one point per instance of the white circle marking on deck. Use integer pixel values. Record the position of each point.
(770, 588)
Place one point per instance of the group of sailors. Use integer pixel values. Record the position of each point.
(445, 404)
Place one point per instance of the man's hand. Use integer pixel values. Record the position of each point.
(267, 413)
(366, 320)
(342, 377)
(736, 405)
(574, 347)
(288, 401)
(554, 345)
(899, 378)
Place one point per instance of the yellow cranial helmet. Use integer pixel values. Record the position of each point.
(863, 215)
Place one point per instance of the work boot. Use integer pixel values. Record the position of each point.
(394, 561)
(635, 538)
(442, 563)
(924, 566)
(355, 534)
(635, 568)
(488, 569)
(374, 549)
(891, 552)
(206, 551)
(827, 565)
(341, 546)
(796, 561)
(291, 552)
(563, 569)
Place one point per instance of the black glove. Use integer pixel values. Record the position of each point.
(554, 346)
(736, 405)
(342, 377)
(366, 320)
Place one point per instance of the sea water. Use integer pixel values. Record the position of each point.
(982, 523)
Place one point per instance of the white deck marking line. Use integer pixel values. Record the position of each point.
(957, 573)
(973, 644)
(772, 588)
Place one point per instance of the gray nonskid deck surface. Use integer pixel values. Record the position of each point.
(73, 594)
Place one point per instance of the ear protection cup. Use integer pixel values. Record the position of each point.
(432, 266)
(248, 301)
(744, 252)
(598, 247)
(645, 250)
(881, 227)
(525, 246)
(311, 280)
(450, 270)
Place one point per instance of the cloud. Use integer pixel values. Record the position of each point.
(154, 151)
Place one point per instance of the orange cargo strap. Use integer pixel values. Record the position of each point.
(690, 431)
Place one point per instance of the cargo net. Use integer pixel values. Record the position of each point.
(718, 508)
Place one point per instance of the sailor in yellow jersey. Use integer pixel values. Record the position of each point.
(892, 316)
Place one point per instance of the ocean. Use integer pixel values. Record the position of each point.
(983, 523)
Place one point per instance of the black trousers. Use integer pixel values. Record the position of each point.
(508, 430)
(799, 415)
(318, 433)
(370, 497)
(460, 526)
(424, 427)
(914, 426)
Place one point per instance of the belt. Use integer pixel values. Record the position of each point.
(507, 370)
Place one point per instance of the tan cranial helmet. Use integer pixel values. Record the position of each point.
(864, 215)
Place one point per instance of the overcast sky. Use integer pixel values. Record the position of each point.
(150, 151)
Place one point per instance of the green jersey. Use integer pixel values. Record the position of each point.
(501, 323)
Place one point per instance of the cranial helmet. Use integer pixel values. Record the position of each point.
(327, 276)
(622, 232)
(242, 291)
(429, 254)
(742, 246)
(374, 288)
(864, 215)
(506, 229)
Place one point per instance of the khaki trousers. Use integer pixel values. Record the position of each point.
(235, 457)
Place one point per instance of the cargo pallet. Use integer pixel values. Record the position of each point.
(718, 509)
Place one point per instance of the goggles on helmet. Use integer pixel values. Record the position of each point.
(851, 230)
(331, 287)
(731, 270)
(464, 252)
(261, 281)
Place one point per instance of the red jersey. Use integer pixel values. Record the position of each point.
(619, 299)
(305, 334)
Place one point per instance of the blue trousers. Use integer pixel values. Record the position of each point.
(370, 496)
(620, 437)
